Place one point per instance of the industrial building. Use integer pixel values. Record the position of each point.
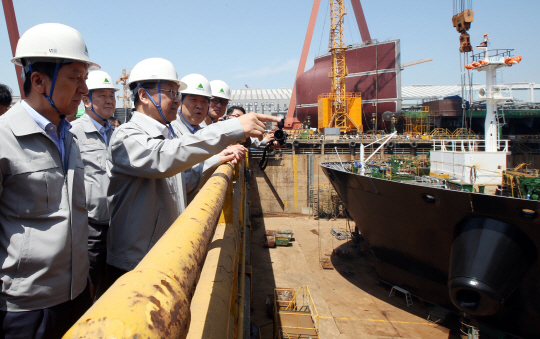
(267, 101)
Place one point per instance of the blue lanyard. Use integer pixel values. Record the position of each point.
(158, 105)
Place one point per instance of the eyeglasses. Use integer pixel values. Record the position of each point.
(216, 101)
(170, 93)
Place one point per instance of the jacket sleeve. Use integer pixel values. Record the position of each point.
(258, 144)
(133, 152)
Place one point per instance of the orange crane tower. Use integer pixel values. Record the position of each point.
(126, 98)
(336, 107)
(291, 121)
(337, 47)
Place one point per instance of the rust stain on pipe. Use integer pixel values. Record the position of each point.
(153, 300)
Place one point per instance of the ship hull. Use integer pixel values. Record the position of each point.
(413, 239)
(374, 70)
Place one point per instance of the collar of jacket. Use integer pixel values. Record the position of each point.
(21, 122)
(142, 121)
(87, 125)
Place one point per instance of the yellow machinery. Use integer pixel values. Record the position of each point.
(339, 109)
(351, 120)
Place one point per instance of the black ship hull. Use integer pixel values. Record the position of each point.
(468, 252)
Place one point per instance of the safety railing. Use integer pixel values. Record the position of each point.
(170, 292)
(467, 145)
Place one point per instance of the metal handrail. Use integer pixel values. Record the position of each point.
(153, 300)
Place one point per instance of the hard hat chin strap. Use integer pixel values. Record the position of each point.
(62, 126)
(158, 105)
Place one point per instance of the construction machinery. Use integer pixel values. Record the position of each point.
(339, 109)
(126, 98)
(414, 62)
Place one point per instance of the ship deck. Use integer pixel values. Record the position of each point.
(350, 300)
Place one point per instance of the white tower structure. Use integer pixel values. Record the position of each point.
(468, 161)
(489, 62)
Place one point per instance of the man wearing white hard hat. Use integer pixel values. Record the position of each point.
(221, 95)
(43, 213)
(145, 161)
(194, 108)
(93, 132)
(195, 103)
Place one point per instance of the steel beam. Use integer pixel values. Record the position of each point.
(361, 20)
(13, 32)
(292, 121)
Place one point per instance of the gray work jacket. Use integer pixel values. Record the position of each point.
(94, 156)
(43, 217)
(145, 194)
(196, 176)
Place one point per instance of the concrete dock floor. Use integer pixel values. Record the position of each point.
(351, 302)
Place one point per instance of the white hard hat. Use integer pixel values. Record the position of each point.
(197, 85)
(155, 69)
(99, 80)
(220, 89)
(46, 42)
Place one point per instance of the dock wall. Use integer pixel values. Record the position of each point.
(284, 186)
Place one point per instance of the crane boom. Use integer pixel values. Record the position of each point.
(415, 62)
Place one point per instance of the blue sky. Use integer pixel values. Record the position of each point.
(258, 43)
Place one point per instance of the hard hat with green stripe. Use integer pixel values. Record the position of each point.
(196, 85)
(100, 80)
(220, 89)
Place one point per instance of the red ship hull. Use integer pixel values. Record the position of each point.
(374, 71)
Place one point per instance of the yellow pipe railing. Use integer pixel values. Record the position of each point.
(216, 307)
(153, 300)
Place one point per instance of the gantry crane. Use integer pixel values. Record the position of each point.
(338, 108)
(126, 98)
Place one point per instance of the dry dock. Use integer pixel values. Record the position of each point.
(350, 301)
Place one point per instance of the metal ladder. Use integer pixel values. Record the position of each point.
(315, 203)
(408, 297)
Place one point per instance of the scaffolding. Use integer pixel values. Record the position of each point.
(418, 123)
(325, 202)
